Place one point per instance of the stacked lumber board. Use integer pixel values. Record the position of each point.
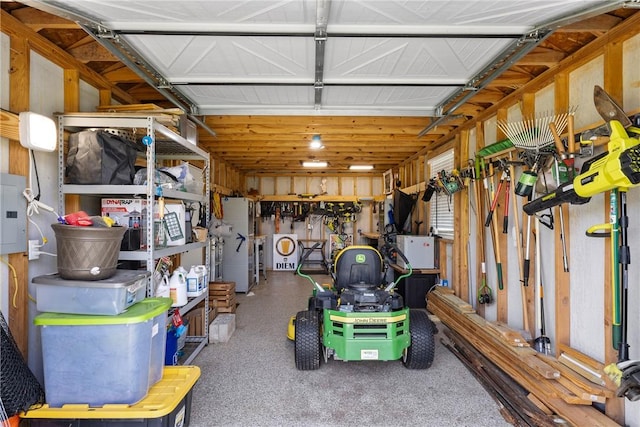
(169, 117)
(556, 386)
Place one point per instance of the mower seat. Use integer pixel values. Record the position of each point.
(358, 268)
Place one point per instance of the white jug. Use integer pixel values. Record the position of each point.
(193, 283)
(178, 288)
(163, 289)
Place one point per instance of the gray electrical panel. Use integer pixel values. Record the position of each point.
(13, 211)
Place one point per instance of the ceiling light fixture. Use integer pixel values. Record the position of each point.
(361, 167)
(316, 143)
(314, 164)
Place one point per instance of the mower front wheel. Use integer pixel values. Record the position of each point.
(420, 353)
(308, 348)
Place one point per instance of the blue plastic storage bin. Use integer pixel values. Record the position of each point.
(158, 344)
(98, 360)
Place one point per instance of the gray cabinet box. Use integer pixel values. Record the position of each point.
(419, 250)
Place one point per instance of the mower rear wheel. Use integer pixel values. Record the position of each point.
(308, 348)
(420, 353)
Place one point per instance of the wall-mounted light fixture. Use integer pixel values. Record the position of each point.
(37, 132)
(314, 164)
(361, 167)
(316, 143)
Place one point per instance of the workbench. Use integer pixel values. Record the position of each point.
(415, 287)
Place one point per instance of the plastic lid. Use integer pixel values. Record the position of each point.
(119, 279)
(163, 399)
(137, 313)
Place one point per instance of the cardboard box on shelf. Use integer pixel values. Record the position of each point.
(133, 213)
(125, 212)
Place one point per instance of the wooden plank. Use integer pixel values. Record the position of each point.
(19, 84)
(461, 239)
(557, 395)
(510, 335)
(221, 293)
(222, 286)
(513, 366)
(537, 402)
(71, 105)
(580, 369)
(580, 381)
(562, 278)
(147, 108)
(9, 125)
(502, 295)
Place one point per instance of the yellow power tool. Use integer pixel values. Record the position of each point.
(618, 167)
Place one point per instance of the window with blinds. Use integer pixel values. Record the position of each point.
(441, 204)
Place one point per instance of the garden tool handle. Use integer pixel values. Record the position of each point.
(571, 142)
(556, 139)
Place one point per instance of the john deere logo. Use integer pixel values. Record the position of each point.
(360, 258)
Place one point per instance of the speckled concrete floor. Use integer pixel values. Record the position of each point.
(252, 380)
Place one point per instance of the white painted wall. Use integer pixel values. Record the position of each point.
(47, 87)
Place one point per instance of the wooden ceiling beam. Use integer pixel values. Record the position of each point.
(13, 27)
(284, 140)
(122, 75)
(244, 151)
(38, 20)
(303, 138)
(600, 23)
(355, 122)
(306, 133)
(542, 56)
(93, 51)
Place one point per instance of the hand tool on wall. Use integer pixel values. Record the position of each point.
(483, 292)
(518, 237)
(542, 343)
(569, 163)
(507, 191)
(494, 195)
(565, 260)
(494, 228)
(526, 264)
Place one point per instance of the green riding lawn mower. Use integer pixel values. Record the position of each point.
(360, 316)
